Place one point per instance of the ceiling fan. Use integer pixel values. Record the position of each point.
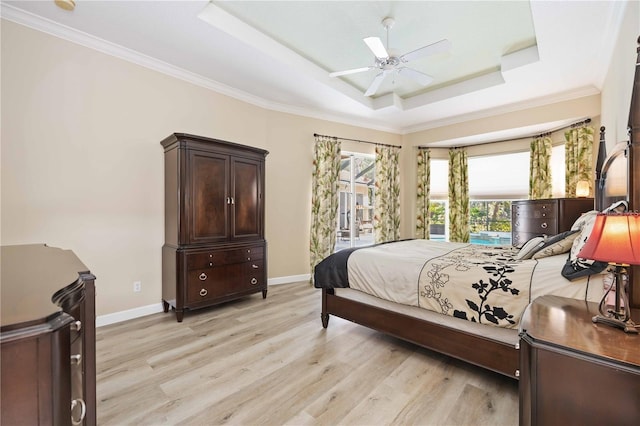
(388, 63)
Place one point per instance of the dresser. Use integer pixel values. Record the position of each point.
(47, 338)
(573, 371)
(214, 248)
(532, 218)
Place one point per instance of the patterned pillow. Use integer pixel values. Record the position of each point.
(529, 248)
(584, 224)
(557, 244)
(578, 267)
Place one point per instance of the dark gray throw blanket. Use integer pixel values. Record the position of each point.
(332, 271)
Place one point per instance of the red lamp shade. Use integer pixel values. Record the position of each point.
(615, 238)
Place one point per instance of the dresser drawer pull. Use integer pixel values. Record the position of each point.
(517, 374)
(254, 266)
(203, 276)
(254, 281)
(83, 411)
(76, 326)
(76, 359)
(544, 225)
(203, 292)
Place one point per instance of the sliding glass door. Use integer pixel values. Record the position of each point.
(355, 214)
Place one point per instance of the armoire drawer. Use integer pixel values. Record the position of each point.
(212, 283)
(212, 258)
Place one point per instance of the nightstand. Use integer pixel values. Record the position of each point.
(573, 371)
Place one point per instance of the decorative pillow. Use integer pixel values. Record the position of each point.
(557, 244)
(617, 207)
(529, 248)
(577, 267)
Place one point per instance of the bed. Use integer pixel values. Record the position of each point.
(461, 325)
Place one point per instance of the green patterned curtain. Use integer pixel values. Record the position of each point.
(423, 177)
(324, 198)
(458, 196)
(579, 159)
(540, 169)
(386, 223)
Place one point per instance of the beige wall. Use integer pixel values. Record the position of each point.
(82, 166)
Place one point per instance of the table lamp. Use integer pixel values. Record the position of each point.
(615, 239)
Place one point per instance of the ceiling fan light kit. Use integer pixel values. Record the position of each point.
(388, 62)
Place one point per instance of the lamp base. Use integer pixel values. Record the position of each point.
(628, 326)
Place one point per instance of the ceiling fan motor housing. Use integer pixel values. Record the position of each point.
(387, 64)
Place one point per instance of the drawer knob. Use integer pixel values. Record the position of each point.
(76, 359)
(544, 225)
(254, 281)
(210, 263)
(203, 292)
(254, 266)
(203, 276)
(76, 326)
(83, 411)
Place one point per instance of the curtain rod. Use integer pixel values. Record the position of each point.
(357, 140)
(535, 135)
(573, 126)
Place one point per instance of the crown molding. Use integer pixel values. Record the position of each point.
(81, 38)
(58, 30)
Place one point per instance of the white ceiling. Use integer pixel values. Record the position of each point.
(505, 55)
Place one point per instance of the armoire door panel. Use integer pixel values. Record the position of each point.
(246, 198)
(209, 197)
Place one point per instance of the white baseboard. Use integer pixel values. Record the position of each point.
(289, 279)
(128, 314)
(142, 311)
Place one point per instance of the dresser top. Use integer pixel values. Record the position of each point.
(566, 323)
(30, 276)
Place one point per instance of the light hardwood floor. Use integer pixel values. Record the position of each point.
(270, 362)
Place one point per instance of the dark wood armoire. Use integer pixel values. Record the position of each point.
(214, 248)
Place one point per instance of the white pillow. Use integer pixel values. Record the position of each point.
(530, 247)
(557, 244)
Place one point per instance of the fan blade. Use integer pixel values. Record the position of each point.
(421, 78)
(353, 71)
(437, 47)
(377, 47)
(375, 84)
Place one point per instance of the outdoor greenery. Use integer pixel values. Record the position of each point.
(484, 215)
(490, 216)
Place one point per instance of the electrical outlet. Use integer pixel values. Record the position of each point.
(137, 286)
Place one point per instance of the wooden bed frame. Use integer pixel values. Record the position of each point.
(487, 353)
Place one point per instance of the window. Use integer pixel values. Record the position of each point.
(439, 200)
(494, 181)
(357, 173)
